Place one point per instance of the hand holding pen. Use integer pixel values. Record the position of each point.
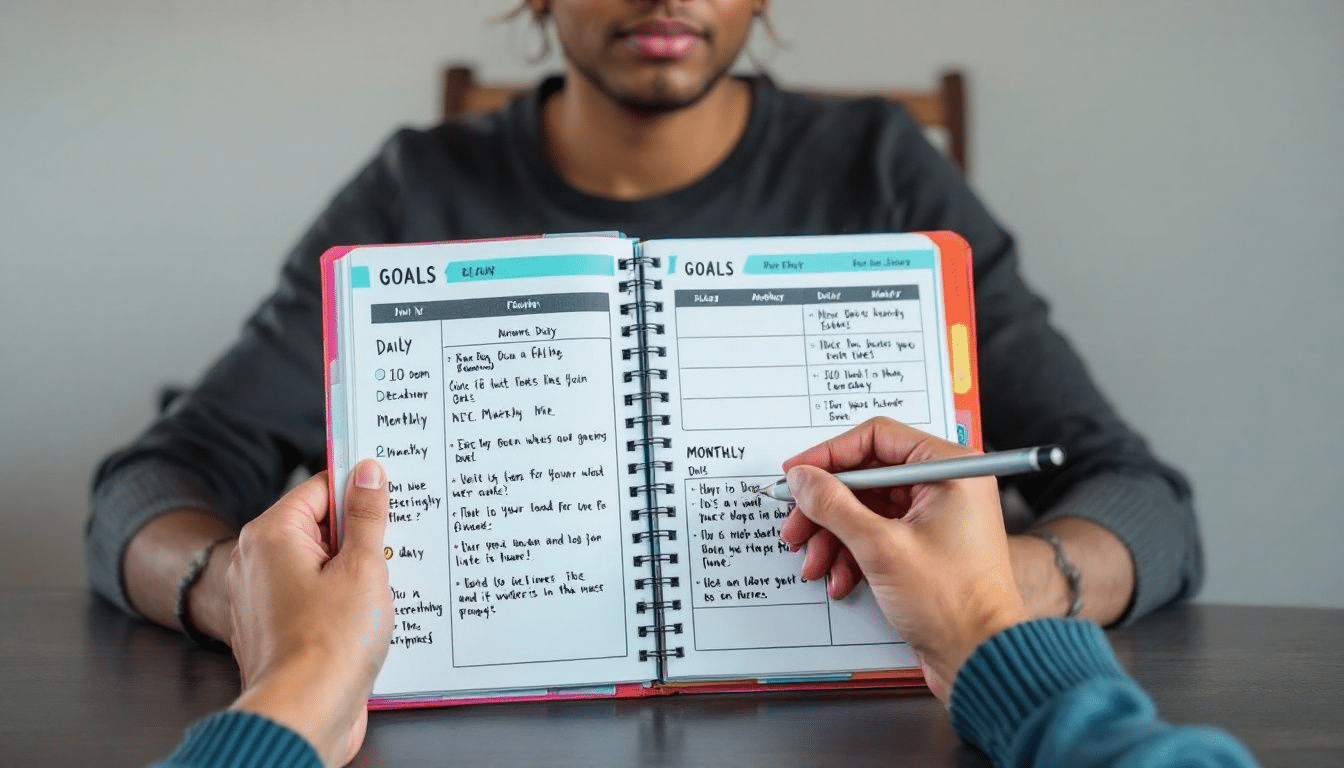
(906, 458)
(935, 555)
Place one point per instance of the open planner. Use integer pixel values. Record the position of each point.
(573, 428)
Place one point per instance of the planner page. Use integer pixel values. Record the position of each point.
(488, 378)
(773, 345)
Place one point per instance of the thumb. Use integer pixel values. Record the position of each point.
(828, 503)
(366, 508)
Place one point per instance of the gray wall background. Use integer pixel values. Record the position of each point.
(1173, 171)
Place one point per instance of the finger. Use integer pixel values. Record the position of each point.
(845, 575)
(357, 732)
(365, 508)
(844, 451)
(269, 542)
(822, 549)
(797, 529)
(831, 505)
(304, 504)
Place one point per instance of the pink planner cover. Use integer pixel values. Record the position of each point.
(956, 274)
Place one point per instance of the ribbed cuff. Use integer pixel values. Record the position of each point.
(242, 740)
(1157, 528)
(1018, 671)
(123, 504)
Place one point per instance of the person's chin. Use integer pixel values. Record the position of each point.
(660, 100)
(664, 89)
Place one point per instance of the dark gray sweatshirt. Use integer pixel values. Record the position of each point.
(801, 168)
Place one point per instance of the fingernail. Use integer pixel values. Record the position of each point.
(369, 475)
(797, 479)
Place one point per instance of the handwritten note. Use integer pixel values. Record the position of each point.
(401, 428)
(504, 514)
(738, 557)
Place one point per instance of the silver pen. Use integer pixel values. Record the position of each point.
(1000, 463)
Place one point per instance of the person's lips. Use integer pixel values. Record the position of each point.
(661, 39)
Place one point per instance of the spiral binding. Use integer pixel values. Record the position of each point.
(643, 351)
(652, 261)
(643, 606)
(668, 581)
(640, 285)
(642, 328)
(650, 488)
(661, 442)
(669, 512)
(644, 469)
(662, 557)
(661, 419)
(666, 466)
(662, 654)
(666, 629)
(659, 396)
(628, 307)
(630, 376)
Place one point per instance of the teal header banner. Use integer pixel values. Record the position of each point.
(864, 261)
(529, 266)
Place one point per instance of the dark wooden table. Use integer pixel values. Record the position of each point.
(84, 685)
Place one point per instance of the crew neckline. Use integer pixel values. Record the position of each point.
(525, 123)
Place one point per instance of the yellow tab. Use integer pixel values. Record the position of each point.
(961, 360)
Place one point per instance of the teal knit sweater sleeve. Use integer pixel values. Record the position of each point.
(1051, 693)
(241, 740)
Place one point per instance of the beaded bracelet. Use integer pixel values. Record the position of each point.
(182, 605)
(1071, 576)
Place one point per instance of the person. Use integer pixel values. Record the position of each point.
(311, 628)
(1043, 692)
(646, 132)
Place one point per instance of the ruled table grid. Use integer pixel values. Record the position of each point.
(800, 358)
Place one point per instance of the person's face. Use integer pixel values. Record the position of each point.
(652, 55)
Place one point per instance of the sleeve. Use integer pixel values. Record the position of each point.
(1050, 692)
(241, 740)
(1035, 390)
(230, 444)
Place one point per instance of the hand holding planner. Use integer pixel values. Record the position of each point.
(312, 627)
